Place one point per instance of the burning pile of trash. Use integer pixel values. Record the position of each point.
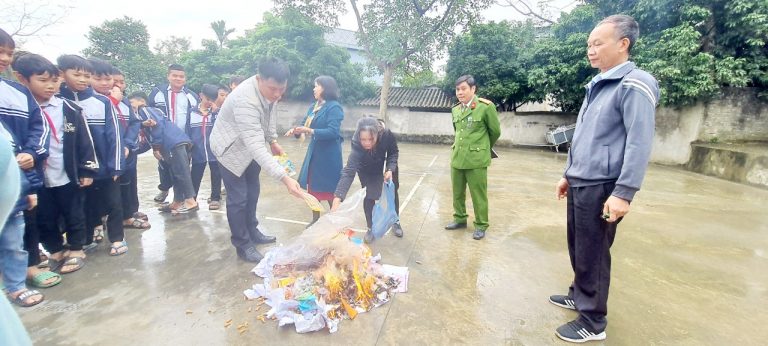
(326, 274)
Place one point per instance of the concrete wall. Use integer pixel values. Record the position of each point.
(737, 116)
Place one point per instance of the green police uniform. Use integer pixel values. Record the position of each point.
(477, 129)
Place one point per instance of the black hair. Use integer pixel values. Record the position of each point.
(330, 88)
(116, 71)
(6, 40)
(210, 91)
(225, 88)
(275, 69)
(29, 65)
(138, 95)
(175, 67)
(74, 62)
(236, 79)
(466, 78)
(100, 67)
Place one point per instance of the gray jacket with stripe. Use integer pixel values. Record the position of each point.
(614, 132)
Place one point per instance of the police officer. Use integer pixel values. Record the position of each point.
(477, 128)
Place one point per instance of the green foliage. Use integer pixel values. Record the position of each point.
(125, 43)
(498, 55)
(169, 51)
(291, 37)
(693, 47)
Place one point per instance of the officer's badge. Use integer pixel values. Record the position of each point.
(69, 127)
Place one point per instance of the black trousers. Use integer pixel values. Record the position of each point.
(103, 198)
(198, 169)
(369, 203)
(242, 199)
(32, 236)
(129, 193)
(166, 179)
(59, 202)
(589, 246)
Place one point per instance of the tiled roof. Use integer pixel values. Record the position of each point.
(342, 38)
(429, 97)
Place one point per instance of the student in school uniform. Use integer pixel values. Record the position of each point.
(200, 125)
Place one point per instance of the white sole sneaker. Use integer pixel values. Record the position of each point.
(585, 337)
(569, 303)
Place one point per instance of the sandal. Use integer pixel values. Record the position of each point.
(21, 300)
(78, 262)
(118, 250)
(214, 205)
(166, 208)
(137, 224)
(98, 234)
(185, 210)
(40, 279)
(141, 216)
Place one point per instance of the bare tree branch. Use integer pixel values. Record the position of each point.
(30, 20)
(527, 11)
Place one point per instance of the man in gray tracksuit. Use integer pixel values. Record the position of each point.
(606, 165)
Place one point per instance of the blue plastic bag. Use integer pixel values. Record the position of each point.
(384, 213)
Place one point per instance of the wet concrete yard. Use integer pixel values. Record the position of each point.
(689, 267)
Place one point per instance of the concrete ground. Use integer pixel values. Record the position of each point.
(689, 267)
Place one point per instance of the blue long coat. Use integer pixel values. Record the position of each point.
(323, 157)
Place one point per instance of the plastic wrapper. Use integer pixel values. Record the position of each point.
(323, 276)
(287, 164)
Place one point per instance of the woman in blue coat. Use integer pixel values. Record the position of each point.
(321, 169)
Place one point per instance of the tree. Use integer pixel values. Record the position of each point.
(125, 43)
(396, 33)
(222, 33)
(498, 55)
(27, 19)
(169, 51)
(291, 37)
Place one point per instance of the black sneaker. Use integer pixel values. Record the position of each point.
(565, 302)
(578, 332)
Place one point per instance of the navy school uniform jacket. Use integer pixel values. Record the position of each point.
(199, 132)
(100, 116)
(79, 152)
(160, 98)
(165, 135)
(21, 116)
(129, 125)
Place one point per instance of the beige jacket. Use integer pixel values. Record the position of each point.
(244, 126)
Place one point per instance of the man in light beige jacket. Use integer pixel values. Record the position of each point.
(244, 125)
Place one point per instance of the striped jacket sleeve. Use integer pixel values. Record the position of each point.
(38, 133)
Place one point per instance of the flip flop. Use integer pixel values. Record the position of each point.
(21, 299)
(98, 234)
(40, 279)
(166, 208)
(214, 205)
(118, 250)
(138, 224)
(78, 262)
(184, 210)
(54, 265)
(141, 216)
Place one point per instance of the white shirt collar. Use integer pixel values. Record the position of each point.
(53, 102)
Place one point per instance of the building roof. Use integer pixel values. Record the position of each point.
(425, 98)
(342, 38)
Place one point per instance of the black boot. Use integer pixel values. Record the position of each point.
(263, 239)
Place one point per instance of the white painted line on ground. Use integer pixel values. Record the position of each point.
(416, 187)
(268, 218)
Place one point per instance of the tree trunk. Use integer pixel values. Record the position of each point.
(384, 98)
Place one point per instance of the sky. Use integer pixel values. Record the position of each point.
(165, 18)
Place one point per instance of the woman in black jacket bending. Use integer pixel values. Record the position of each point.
(374, 160)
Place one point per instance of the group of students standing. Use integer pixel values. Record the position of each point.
(76, 138)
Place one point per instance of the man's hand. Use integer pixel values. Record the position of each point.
(293, 186)
(126, 152)
(289, 133)
(26, 161)
(302, 129)
(115, 178)
(158, 155)
(277, 150)
(336, 203)
(388, 176)
(116, 93)
(32, 201)
(615, 208)
(562, 188)
(85, 182)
